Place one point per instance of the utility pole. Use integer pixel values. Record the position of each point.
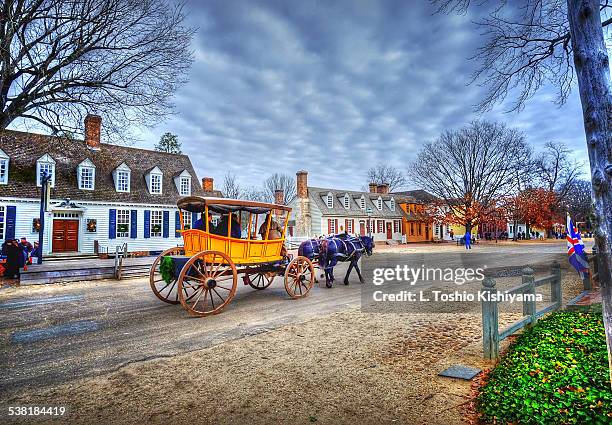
(45, 181)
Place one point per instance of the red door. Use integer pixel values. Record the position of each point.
(65, 236)
(362, 229)
(389, 233)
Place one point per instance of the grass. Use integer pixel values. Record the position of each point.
(555, 373)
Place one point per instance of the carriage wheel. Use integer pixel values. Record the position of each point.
(261, 280)
(207, 283)
(164, 291)
(299, 277)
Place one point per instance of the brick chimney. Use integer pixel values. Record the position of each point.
(92, 131)
(383, 188)
(208, 184)
(279, 199)
(279, 196)
(373, 187)
(302, 184)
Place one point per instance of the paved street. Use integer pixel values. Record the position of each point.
(51, 334)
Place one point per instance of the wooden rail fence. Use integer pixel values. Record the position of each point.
(490, 307)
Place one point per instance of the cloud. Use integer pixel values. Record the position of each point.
(334, 88)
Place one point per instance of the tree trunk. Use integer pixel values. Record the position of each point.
(593, 73)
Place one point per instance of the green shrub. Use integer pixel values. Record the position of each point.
(556, 373)
(166, 269)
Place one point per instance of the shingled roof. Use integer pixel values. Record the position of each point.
(317, 195)
(419, 195)
(24, 149)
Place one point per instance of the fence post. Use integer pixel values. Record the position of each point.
(529, 304)
(586, 276)
(555, 284)
(490, 331)
(595, 265)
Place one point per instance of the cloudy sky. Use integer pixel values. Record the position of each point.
(334, 87)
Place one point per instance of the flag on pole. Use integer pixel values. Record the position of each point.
(575, 248)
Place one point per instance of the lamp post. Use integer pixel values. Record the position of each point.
(44, 180)
(369, 212)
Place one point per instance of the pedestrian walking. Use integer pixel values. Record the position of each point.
(468, 237)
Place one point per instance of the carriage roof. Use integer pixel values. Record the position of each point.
(226, 205)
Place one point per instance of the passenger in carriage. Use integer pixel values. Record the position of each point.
(275, 232)
(199, 223)
(222, 228)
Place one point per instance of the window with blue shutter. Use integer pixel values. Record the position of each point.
(133, 224)
(112, 223)
(147, 224)
(177, 224)
(11, 216)
(166, 224)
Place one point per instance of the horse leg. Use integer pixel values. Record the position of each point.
(328, 277)
(358, 271)
(348, 272)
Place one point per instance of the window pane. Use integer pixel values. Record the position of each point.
(123, 223)
(156, 223)
(1, 223)
(3, 170)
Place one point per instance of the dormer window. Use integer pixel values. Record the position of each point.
(86, 175)
(154, 181)
(4, 167)
(183, 183)
(379, 203)
(362, 202)
(346, 201)
(45, 166)
(392, 204)
(122, 176)
(330, 200)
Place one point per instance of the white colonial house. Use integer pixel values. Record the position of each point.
(102, 195)
(322, 211)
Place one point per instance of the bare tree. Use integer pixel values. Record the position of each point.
(556, 169)
(60, 59)
(387, 174)
(556, 41)
(255, 193)
(578, 202)
(284, 182)
(231, 188)
(471, 170)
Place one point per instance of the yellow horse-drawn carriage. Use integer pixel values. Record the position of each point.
(202, 275)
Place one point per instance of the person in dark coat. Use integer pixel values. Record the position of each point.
(13, 258)
(35, 251)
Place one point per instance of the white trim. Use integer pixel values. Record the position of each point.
(329, 201)
(155, 172)
(4, 163)
(122, 168)
(178, 182)
(346, 201)
(47, 161)
(89, 166)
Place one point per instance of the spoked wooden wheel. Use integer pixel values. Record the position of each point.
(207, 283)
(163, 290)
(261, 280)
(299, 277)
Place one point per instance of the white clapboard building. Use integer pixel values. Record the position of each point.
(323, 211)
(102, 195)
